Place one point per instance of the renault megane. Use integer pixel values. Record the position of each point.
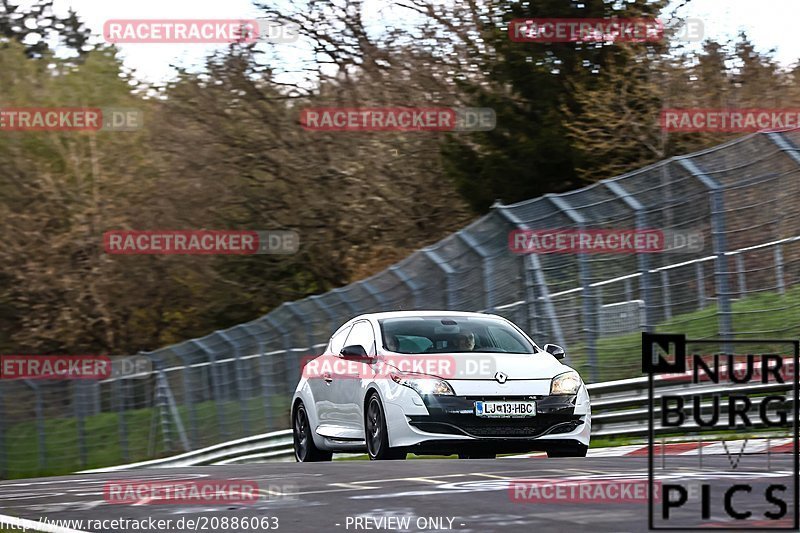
(437, 382)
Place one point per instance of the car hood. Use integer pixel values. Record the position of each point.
(480, 366)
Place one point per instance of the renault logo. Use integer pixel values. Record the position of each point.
(500, 377)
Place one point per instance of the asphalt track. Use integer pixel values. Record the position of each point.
(464, 495)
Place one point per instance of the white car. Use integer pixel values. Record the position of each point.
(438, 382)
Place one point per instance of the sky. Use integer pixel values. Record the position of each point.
(769, 23)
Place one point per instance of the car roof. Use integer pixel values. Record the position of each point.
(409, 314)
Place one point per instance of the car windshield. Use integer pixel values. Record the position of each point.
(446, 334)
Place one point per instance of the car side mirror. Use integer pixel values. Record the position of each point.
(555, 350)
(354, 351)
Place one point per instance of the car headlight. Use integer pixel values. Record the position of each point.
(566, 383)
(425, 386)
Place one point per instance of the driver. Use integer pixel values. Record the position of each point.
(465, 342)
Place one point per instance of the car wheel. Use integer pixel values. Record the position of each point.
(477, 455)
(578, 450)
(305, 451)
(376, 435)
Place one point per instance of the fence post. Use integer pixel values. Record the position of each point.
(40, 432)
(264, 371)
(188, 392)
(120, 397)
(535, 275)
(779, 270)
(665, 299)
(588, 299)
(294, 372)
(379, 298)
(213, 371)
(3, 458)
(237, 369)
(287, 347)
(332, 321)
(486, 268)
(78, 400)
(642, 259)
(716, 199)
(448, 273)
(740, 274)
(701, 284)
(409, 282)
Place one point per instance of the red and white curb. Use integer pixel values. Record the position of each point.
(715, 447)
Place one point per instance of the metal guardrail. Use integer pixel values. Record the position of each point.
(257, 448)
(619, 408)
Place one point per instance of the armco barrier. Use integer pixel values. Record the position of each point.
(619, 409)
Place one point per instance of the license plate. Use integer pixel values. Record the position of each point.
(505, 409)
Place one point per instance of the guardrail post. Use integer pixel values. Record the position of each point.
(448, 272)
(779, 270)
(588, 313)
(716, 199)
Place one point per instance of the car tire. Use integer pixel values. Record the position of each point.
(305, 451)
(477, 455)
(376, 435)
(577, 450)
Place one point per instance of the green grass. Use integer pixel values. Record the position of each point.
(62, 449)
(766, 315)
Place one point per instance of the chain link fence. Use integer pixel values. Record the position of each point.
(742, 197)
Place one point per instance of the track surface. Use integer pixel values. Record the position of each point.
(474, 494)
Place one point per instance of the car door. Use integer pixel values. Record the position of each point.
(347, 389)
(321, 381)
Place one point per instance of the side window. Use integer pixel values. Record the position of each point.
(337, 341)
(362, 334)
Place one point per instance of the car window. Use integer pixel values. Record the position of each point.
(362, 335)
(337, 341)
(452, 334)
(503, 339)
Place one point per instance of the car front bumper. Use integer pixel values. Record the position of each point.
(450, 423)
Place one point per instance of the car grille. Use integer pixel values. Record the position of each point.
(500, 427)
